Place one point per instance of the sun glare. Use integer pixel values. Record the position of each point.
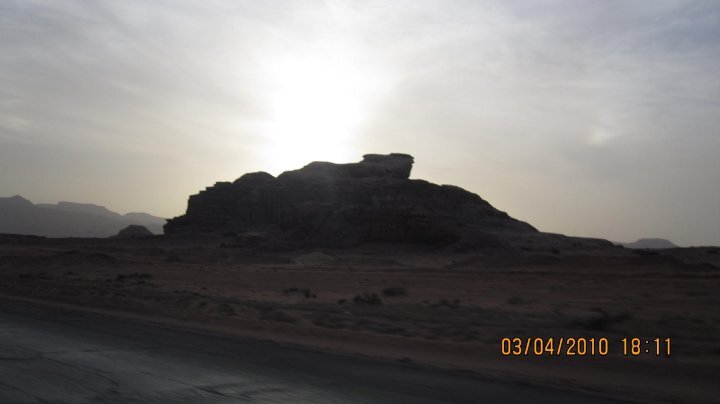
(315, 106)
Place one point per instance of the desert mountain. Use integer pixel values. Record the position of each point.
(81, 208)
(651, 243)
(67, 219)
(344, 205)
(134, 231)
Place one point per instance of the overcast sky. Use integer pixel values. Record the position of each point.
(589, 118)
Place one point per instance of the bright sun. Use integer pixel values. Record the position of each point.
(315, 105)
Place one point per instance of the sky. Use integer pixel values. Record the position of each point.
(588, 118)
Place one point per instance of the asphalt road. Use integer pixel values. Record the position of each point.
(52, 355)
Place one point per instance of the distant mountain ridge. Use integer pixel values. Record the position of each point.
(81, 208)
(650, 243)
(68, 219)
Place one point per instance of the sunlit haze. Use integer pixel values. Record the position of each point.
(586, 118)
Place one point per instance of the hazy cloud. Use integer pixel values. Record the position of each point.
(589, 118)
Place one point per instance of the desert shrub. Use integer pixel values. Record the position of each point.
(226, 310)
(368, 298)
(330, 322)
(277, 315)
(602, 321)
(516, 300)
(386, 328)
(454, 304)
(360, 324)
(137, 276)
(305, 292)
(173, 258)
(41, 275)
(394, 291)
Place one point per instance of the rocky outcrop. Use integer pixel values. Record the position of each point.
(342, 205)
(134, 231)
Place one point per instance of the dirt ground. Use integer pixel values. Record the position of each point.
(431, 308)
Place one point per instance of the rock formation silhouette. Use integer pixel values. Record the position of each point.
(134, 231)
(344, 205)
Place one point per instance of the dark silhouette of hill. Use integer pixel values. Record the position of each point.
(344, 205)
(81, 208)
(67, 219)
(650, 243)
(134, 231)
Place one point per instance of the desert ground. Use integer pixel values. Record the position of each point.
(58, 355)
(423, 307)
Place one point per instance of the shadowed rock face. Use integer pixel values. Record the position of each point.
(342, 205)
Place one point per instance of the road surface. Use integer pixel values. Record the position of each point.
(56, 355)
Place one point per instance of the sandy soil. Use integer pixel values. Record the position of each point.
(430, 308)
